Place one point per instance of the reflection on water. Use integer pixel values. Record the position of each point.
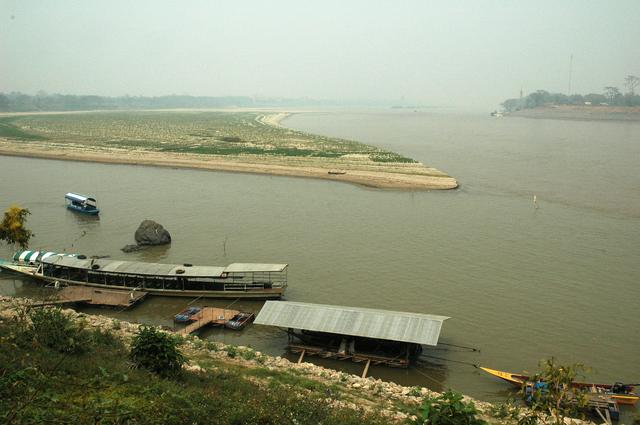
(519, 283)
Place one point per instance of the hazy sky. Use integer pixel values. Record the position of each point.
(439, 53)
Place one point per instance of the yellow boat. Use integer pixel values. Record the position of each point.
(512, 378)
(622, 394)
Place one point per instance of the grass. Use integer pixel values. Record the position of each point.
(11, 131)
(39, 384)
(226, 134)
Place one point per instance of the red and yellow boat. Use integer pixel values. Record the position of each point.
(622, 394)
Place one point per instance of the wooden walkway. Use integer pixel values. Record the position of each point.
(94, 296)
(209, 316)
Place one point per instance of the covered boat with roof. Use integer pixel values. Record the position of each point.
(237, 280)
(81, 203)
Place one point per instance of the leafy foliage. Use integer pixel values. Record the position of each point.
(12, 228)
(449, 409)
(41, 385)
(156, 351)
(554, 398)
(54, 329)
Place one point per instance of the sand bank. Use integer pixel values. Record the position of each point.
(375, 179)
(581, 113)
(348, 168)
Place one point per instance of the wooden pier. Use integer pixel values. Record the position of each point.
(94, 296)
(209, 316)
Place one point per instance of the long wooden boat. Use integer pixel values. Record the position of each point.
(237, 280)
(622, 394)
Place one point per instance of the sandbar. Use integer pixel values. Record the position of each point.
(397, 176)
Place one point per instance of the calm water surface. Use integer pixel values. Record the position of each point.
(519, 283)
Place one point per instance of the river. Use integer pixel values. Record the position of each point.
(520, 281)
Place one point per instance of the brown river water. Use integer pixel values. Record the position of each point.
(520, 283)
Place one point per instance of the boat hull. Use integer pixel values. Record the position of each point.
(94, 211)
(253, 294)
(519, 380)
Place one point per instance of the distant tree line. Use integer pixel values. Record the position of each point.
(20, 102)
(611, 96)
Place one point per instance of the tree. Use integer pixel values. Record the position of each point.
(631, 82)
(12, 228)
(612, 93)
(156, 351)
(551, 397)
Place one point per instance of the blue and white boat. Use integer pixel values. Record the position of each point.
(81, 203)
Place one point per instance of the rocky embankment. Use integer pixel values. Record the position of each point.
(398, 403)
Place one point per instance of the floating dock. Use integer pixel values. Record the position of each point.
(209, 316)
(94, 296)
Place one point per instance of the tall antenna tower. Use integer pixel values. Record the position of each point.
(570, 73)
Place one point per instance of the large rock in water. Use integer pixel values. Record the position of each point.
(151, 233)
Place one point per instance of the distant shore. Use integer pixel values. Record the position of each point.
(397, 176)
(580, 112)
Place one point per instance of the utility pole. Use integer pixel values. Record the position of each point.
(570, 72)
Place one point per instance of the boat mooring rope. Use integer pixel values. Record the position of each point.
(84, 232)
(460, 346)
(439, 383)
(229, 305)
(451, 360)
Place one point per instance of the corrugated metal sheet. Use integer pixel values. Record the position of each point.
(354, 321)
(156, 269)
(252, 267)
(77, 197)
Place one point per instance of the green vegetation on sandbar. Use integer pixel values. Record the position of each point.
(11, 131)
(241, 134)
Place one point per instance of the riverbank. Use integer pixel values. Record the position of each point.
(580, 113)
(372, 398)
(247, 142)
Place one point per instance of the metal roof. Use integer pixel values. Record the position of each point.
(157, 269)
(354, 321)
(251, 267)
(78, 197)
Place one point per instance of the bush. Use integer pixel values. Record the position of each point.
(508, 410)
(52, 328)
(248, 354)
(232, 351)
(105, 338)
(415, 392)
(156, 351)
(552, 398)
(449, 409)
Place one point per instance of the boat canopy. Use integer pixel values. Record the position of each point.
(157, 269)
(353, 321)
(80, 198)
(35, 256)
(252, 267)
